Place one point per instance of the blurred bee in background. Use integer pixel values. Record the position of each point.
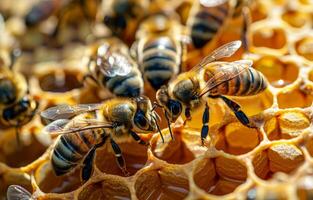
(213, 80)
(111, 67)
(208, 18)
(159, 49)
(82, 135)
(17, 106)
(44, 9)
(123, 16)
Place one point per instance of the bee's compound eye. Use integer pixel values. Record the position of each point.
(175, 107)
(141, 121)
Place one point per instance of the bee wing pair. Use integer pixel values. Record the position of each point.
(16, 192)
(223, 75)
(61, 119)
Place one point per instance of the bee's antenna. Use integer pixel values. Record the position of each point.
(158, 127)
(168, 124)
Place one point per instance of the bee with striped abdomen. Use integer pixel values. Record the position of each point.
(206, 19)
(111, 67)
(158, 49)
(17, 106)
(213, 80)
(123, 16)
(82, 135)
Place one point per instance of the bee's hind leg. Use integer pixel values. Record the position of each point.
(119, 157)
(241, 116)
(88, 160)
(205, 123)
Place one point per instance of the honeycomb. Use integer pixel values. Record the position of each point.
(272, 161)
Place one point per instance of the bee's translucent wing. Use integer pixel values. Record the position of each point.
(226, 50)
(62, 126)
(212, 3)
(56, 126)
(114, 64)
(66, 111)
(225, 75)
(16, 192)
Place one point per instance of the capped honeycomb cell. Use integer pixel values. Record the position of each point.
(237, 139)
(286, 125)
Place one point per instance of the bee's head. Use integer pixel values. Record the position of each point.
(172, 107)
(145, 117)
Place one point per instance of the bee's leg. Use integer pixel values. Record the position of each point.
(245, 29)
(169, 124)
(88, 160)
(89, 76)
(241, 116)
(187, 115)
(119, 157)
(205, 123)
(137, 138)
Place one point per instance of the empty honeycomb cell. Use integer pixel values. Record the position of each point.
(165, 183)
(135, 156)
(286, 125)
(305, 187)
(304, 47)
(296, 18)
(271, 37)
(237, 139)
(277, 72)
(261, 164)
(174, 151)
(59, 82)
(108, 188)
(49, 182)
(205, 175)
(284, 157)
(225, 186)
(294, 98)
(259, 11)
(26, 152)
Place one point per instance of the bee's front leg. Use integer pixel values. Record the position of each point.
(187, 115)
(205, 123)
(241, 116)
(137, 138)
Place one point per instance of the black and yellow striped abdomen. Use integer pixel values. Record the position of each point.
(71, 148)
(160, 60)
(249, 82)
(206, 22)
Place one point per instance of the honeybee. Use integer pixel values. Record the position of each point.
(158, 49)
(213, 80)
(44, 9)
(206, 20)
(16, 192)
(82, 135)
(111, 67)
(17, 106)
(123, 16)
